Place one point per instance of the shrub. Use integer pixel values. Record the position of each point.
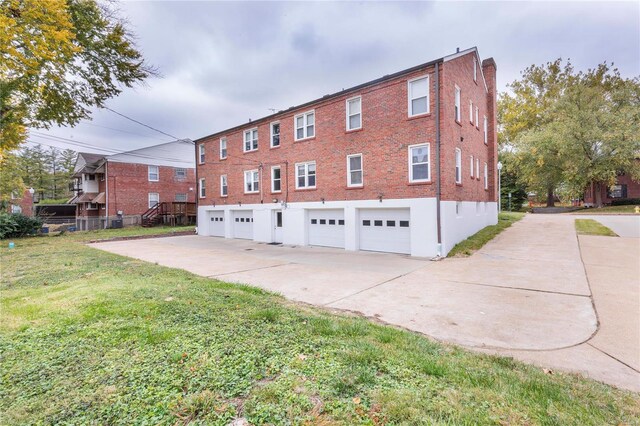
(18, 225)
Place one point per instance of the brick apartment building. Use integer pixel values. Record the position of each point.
(405, 163)
(125, 186)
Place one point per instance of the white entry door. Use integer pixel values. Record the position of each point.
(387, 230)
(217, 224)
(277, 226)
(243, 224)
(326, 228)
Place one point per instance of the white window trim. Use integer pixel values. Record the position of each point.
(457, 102)
(157, 173)
(471, 167)
(477, 113)
(458, 166)
(224, 183)
(244, 140)
(273, 168)
(257, 184)
(486, 176)
(348, 122)
(201, 153)
(157, 199)
(471, 111)
(356, 185)
(226, 149)
(409, 98)
(271, 145)
(305, 125)
(486, 131)
(306, 164)
(201, 186)
(428, 179)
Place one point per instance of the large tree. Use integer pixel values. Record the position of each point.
(569, 129)
(58, 59)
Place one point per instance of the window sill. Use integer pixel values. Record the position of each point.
(419, 183)
(415, 117)
(306, 189)
(354, 130)
(305, 139)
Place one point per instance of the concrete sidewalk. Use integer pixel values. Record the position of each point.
(525, 294)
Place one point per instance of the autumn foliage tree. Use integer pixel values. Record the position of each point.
(58, 59)
(569, 129)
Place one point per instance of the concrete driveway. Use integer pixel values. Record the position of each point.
(525, 294)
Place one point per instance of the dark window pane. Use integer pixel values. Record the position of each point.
(377, 223)
(404, 223)
(366, 223)
(391, 223)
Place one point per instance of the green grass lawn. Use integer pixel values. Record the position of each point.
(608, 210)
(89, 337)
(482, 237)
(593, 227)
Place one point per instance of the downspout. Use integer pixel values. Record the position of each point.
(438, 220)
(106, 191)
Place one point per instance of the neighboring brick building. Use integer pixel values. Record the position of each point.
(125, 186)
(625, 188)
(359, 169)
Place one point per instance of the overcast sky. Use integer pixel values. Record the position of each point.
(224, 63)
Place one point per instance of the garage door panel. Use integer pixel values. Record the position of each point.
(243, 224)
(386, 230)
(326, 228)
(216, 224)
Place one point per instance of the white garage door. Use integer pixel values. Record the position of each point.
(243, 224)
(326, 228)
(385, 230)
(217, 224)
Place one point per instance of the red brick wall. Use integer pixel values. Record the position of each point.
(386, 133)
(129, 187)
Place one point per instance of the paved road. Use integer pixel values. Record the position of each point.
(626, 226)
(525, 294)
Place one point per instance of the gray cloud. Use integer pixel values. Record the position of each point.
(226, 62)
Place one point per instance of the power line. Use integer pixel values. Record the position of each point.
(140, 123)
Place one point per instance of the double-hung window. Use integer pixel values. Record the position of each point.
(306, 175)
(276, 179)
(486, 130)
(471, 166)
(457, 104)
(486, 177)
(201, 153)
(354, 170)
(154, 199)
(251, 181)
(275, 135)
(305, 125)
(418, 90)
(223, 186)
(223, 148)
(354, 113)
(419, 165)
(202, 191)
(250, 140)
(458, 165)
(153, 174)
(477, 112)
